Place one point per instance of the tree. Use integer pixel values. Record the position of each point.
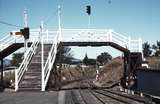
(85, 60)
(65, 55)
(103, 58)
(156, 48)
(91, 62)
(88, 61)
(17, 59)
(146, 49)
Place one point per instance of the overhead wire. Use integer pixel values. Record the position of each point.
(50, 17)
(9, 24)
(19, 26)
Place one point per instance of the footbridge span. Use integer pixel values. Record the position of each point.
(43, 45)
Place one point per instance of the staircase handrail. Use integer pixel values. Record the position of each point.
(27, 58)
(11, 39)
(8, 40)
(4, 38)
(50, 61)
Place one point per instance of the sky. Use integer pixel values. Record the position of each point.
(135, 18)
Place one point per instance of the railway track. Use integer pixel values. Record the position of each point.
(86, 97)
(71, 98)
(132, 97)
(110, 97)
(105, 97)
(102, 96)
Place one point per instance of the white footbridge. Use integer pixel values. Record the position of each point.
(44, 36)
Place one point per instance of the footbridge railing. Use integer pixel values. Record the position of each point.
(24, 65)
(79, 35)
(101, 35)
(8, 40)
(46, 70)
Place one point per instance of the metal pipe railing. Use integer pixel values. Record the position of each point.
(23, 67)
(50, 61)
(81, 35)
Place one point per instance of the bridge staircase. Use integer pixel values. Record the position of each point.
(8, 45)
(32, 77)
(35, 69)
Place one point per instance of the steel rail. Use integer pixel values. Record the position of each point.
(112, 97)
(132, 98)
(98, 98)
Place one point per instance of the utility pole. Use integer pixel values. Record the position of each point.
(25, 26)
(88, 11)
(25, 18)
(89, 21)
(59, 23)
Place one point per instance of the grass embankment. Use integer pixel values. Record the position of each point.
(111, 72)
(75, 73)
(153, 62)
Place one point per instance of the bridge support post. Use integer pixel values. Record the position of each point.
(125, 64)
(54, 72)
(16, 80)
(42, 66)
(25, 52)
(1, 83)
(42, 59)
(59, 70)
(126, 69)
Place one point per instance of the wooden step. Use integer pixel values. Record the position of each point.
(31, 80)
(29, 89)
